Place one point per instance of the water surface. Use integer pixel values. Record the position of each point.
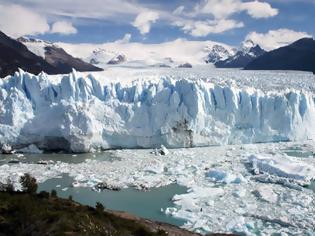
(146, 204)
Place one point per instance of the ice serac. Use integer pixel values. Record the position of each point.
(81, 113)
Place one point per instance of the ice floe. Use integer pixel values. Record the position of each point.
(224, 193)
(282, 166)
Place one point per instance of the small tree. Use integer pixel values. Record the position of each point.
(9, 186)
(29, 183)
(99, 207)
(53, 193)
(43, 194)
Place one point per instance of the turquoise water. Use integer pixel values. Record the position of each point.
(297, 151)
(144, 204)
(68, 158)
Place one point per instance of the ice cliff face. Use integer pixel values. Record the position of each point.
(80, 114)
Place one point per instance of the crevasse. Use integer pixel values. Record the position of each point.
(81, 114)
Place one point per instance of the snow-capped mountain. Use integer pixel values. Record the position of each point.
(244, 55)
(219, 53)
(56, 56)
(117, 60)
(14, 55)
(167, 54)
(100, 56)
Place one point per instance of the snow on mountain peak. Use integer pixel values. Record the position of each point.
(101, 56)
(36, 46)
(195, 53)
(218, 52)
(248, 44)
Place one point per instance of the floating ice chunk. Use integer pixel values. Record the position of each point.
(170, 210)
(155, 168)
(161, 151)
(240, 193)
(238, 225)
(33, 149)
(6, 149)
(266, 193)
(220, 176)
(282, 166)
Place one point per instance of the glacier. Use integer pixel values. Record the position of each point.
(81, 112)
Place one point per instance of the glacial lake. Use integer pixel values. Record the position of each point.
(152, 203)
(146, 204)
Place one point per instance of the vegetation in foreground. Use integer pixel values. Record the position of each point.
(29, 213)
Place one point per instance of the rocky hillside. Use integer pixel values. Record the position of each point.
(56, 56)
(14, 55)
(299, 55)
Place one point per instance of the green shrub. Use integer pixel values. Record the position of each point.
(43, 194)
(8, 187)
(99, 207)
(29, 184)
(53, 193)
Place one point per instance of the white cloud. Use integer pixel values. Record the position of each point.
(17, 21)
(219, 9)
(118, 10)
(219, 14)
(259, 9)
(276, 38)
(179, 10)
(125, 39)
(203, 28)
(222, 9)
(201, 19)
(144, 20)
(63, 27)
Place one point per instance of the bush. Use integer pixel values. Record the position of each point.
(53, 193)
(29, 184)
(8, 187)
(43, 194)
(99, 207)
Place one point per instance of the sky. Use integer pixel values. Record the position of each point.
(270, 23)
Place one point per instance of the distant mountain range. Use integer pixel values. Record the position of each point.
(14, 54)
(247, 53)
(35, 55)
(56, 56)
(299, 55)
(218, 53)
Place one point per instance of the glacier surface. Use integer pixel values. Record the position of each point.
(177, 108)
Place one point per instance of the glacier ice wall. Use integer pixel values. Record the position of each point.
(80, 114)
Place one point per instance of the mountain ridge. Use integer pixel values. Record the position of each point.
(244, 55)
(300, 55)
(15, 55)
